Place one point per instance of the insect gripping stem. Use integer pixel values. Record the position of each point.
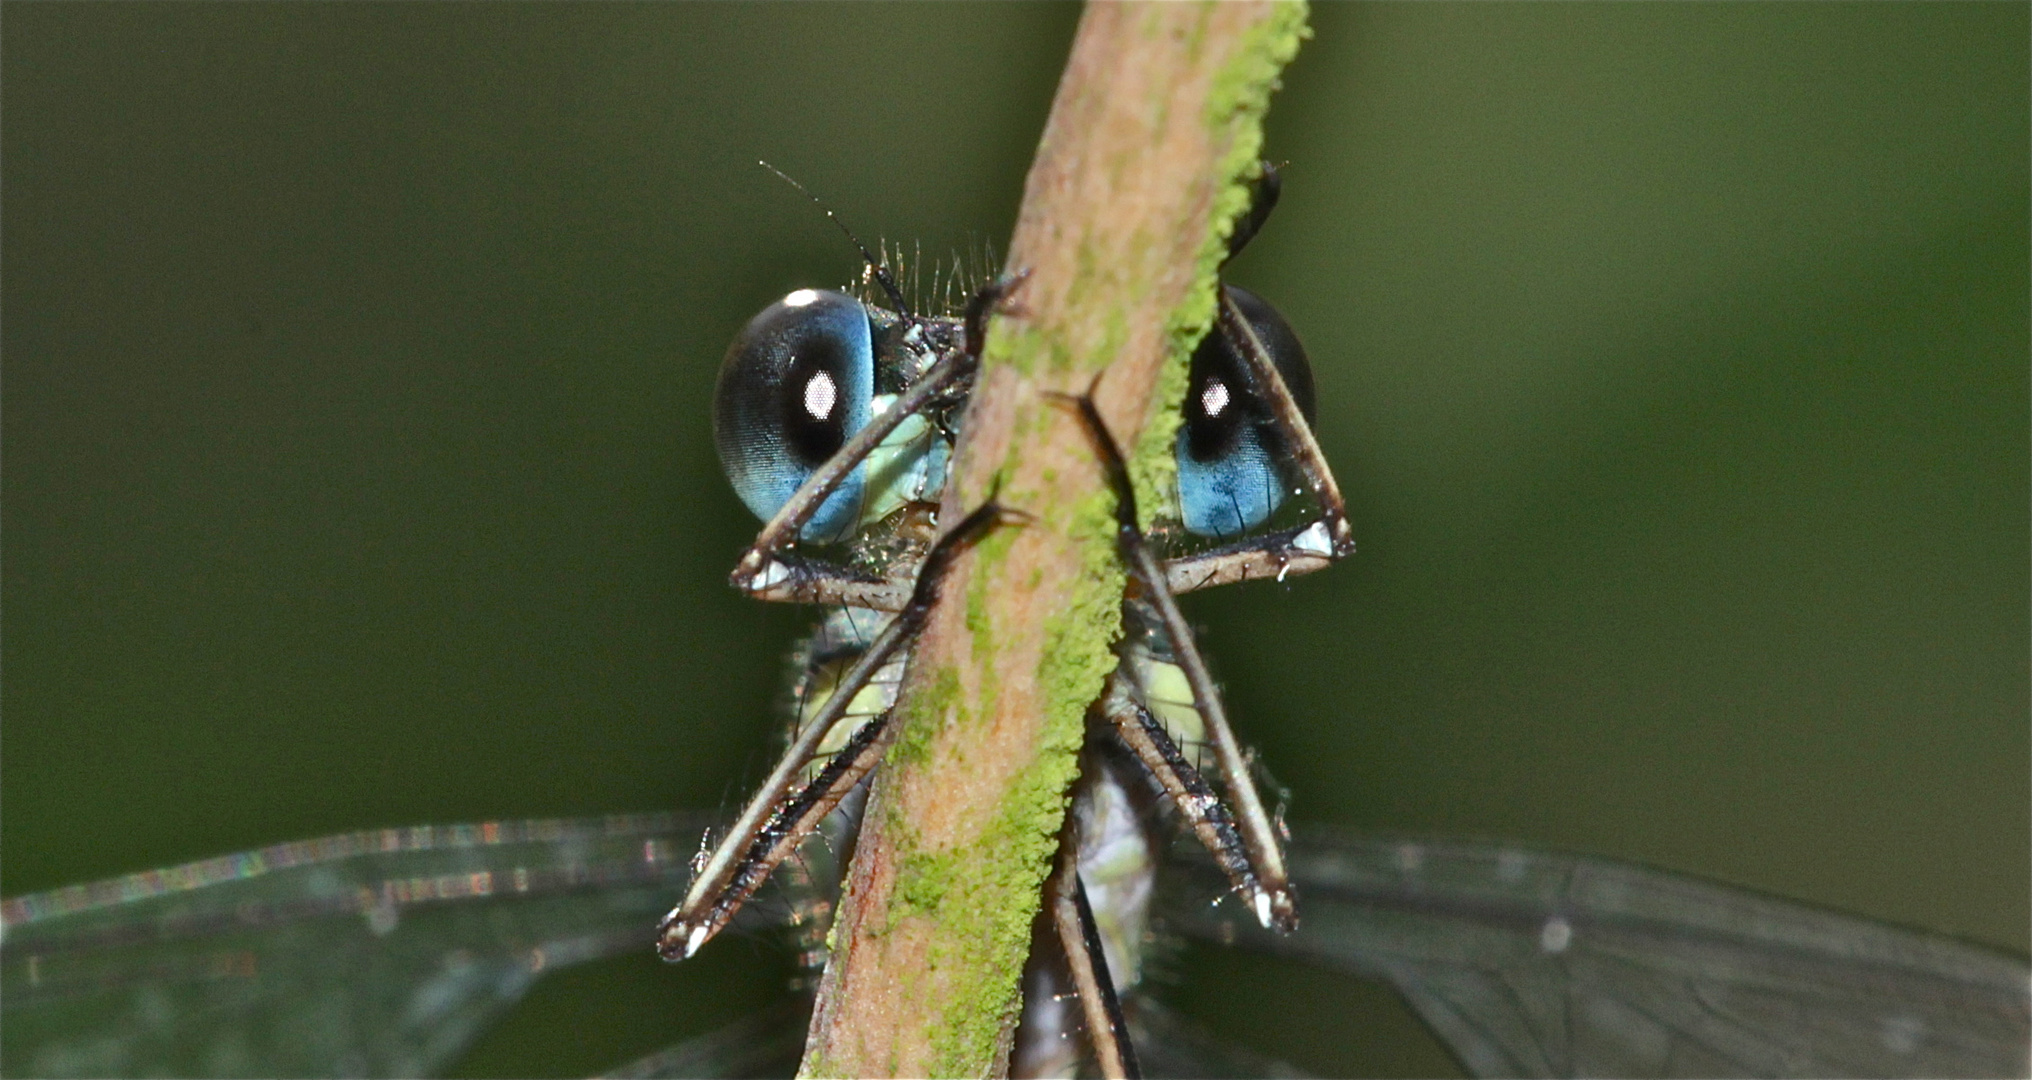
(1137, 180)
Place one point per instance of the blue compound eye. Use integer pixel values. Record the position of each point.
(795, 386)
(1233, 470)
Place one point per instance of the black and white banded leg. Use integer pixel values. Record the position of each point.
(783, 812)
(1267, 890)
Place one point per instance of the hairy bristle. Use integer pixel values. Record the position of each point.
(934, 287)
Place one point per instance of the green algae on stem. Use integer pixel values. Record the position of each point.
(1139, 174)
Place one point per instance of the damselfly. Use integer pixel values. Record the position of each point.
(385, 952)
(833, 418)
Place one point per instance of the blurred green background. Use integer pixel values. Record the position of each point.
(1673, 358)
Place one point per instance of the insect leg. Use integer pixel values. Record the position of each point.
(796, 580)
(787, 826)
(1272, 899)
(716, 892)
(1277, 555)
(759, 568)
(1145, 736)
(1293, 551)
(1334, 538)
(1073, 918)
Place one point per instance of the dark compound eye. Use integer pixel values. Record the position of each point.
(1233, 470)
(795, 386)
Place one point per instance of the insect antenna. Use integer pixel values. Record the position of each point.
(882, 275)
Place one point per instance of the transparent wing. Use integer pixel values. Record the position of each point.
(1168, 1044)
(768, 1043)
(375, 953)
(1527, 963)
(385, 953)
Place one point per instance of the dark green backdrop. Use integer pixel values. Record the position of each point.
(1674, 359)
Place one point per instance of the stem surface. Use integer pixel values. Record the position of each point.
(1138, 179)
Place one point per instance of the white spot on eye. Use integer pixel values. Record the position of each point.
(1214, 398)
(820, 395)
(1555, 935)
(1902, 1034)
(801, 298)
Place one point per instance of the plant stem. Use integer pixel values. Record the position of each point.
(1137, 181)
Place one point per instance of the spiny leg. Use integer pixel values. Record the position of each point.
(727, 878)
(759, 569)
(786, 828)
(1272, 900)
(1145, 736)
(1273, 556)
(794, 580)
(817, 581)
(1295, 551)
(1292, 551)
(1073, 918)
(1333, 526)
